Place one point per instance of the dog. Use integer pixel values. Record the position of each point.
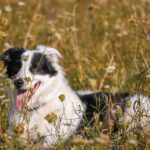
(54, 110)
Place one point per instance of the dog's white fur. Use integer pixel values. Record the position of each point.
(69, 112)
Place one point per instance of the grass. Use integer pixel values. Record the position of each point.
(91, 35)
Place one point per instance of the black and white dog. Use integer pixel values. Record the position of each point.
(42, 90)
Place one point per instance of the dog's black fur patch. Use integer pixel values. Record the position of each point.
(41, 65)
(101, 104)
(95, 102)
(12, 60)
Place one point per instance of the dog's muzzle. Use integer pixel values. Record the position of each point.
(19, 83)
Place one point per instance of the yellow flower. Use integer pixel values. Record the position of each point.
(25, 57)
(38, 134)
(28, 79)
(31, 90)
(96, 117)
(99, 68)
(93, 82)
(86, 128)
(19, 129)
(51, 118)
(128, 104)
(100, 124)
(62, 97)
(119, 112)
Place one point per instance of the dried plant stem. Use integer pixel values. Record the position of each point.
(31, 26)
(75, 34)
(105, 75)
(141, 51)
(136, 66)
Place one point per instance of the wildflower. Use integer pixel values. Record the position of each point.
(11, 87)
(31, 90)
(50, 22)
(148, 75)
(117, 27)
(25, 58)
(68, 13)
(93, 6)
(57, 35)
(119, 34)
(124, 32)
(107, 86)
(8, 82)
(132, 141)
(123, 124)
(20, 3)
(106, 23)
(110, 69)
(38, 134)
(19, 129)
(119, 112)
(7, 45)
(2, 34)
(104, 139)
(148, 38)
(5, 137)
(86, 128)
(93, 83)
(74, 29)
(28, 79)
(62, 97)
(128, 104)
(96, 117)
(51, 118)
(8, 8)
(100, 124)
(82, 141)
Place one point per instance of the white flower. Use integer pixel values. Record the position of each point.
(8, 8)
(106, 86)
(110, 69)
(117, 27)
(20, 3)
(50, 22)
(148, 38)
(58, 35)
(68, 13)
(7, 45)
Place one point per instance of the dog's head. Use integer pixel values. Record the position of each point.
(30, 69)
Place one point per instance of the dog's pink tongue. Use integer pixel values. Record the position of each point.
(21, 100)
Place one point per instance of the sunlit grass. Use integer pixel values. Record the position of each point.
(91, 36)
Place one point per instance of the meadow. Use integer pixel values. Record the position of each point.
(105, 46)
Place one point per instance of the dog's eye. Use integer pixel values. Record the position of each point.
(34, 68)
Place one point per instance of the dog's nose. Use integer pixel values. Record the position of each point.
(18, 83)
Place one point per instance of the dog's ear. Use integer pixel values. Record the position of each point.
(51, 53)
(5, 57)
(51, 69)
(11, 53)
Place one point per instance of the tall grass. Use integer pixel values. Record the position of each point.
(91, 35)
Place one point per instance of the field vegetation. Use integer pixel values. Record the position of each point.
(105, 46)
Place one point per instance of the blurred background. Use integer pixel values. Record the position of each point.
(90, 34)
(105, 46)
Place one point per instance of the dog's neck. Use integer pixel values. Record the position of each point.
(48, 92)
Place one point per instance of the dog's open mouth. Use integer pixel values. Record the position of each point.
(23, 96)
